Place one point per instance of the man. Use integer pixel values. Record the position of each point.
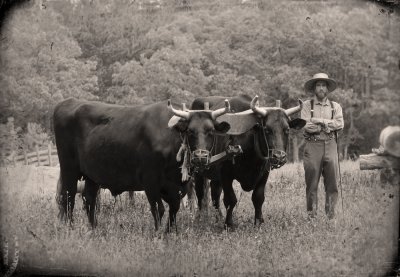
(324, 118)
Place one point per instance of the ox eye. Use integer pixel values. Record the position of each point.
(287, 130)
(210, 132)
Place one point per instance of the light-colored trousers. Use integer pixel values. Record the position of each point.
(321, 158)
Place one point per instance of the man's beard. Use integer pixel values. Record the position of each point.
(321, 95)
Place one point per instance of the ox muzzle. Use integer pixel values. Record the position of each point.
(277, 158)
(200, 159)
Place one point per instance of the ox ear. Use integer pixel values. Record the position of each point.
(173, 121)
(178, 123)
(239, 122)
(222, 127)
(297, 123)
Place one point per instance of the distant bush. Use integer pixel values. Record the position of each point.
(35, 135)
(10, 137)
(15, 139)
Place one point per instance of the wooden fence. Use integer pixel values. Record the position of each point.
(47, 157)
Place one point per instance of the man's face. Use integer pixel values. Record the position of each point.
(321, 90)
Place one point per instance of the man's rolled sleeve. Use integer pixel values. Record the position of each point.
(337, 122)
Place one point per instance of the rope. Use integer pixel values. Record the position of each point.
(185, 168)
(179, 155)
(265, 160)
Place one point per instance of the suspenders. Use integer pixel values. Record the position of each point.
(312, 108)
(312, 115)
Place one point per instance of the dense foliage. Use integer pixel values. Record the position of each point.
(134, 52)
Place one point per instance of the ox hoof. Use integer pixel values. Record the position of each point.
(171, 228)
(258, 222)
(229, 227)
(218, 218)
(61, 217)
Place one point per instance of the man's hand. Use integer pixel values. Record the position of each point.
(322, 123)
(318, 121)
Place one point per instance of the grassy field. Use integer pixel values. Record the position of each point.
(361, 241)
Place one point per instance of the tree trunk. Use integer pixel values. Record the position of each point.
(349, 133)
(367, 86)
(373, 161)
(345, 151)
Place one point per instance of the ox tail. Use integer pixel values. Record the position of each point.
(60, 200)
(63, 197)
(58, 192)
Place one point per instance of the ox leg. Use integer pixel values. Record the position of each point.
(190, 194)
(258, 200)
(174, 200)
(230, 201)
(173, 210)
(90, 197)
(216, 190)
(156, 207)
(66, 191)
(161, 209)
(199, 188)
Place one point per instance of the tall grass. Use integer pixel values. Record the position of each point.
(361, 241)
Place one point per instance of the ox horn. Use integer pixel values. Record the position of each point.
(221, 111)
(183, 114)
(256, 109)
(294, 109)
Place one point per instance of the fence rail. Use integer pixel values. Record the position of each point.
(46, 157)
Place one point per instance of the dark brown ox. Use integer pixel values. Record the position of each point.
(263, 134)
(126, 148)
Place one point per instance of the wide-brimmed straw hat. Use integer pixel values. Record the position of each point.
(310, 84)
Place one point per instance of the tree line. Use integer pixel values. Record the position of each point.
(137, 52)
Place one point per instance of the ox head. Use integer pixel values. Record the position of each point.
(274, 127)
(200, 128)
(271, 126)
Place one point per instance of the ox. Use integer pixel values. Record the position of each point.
(263, 135)
(125, 148)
